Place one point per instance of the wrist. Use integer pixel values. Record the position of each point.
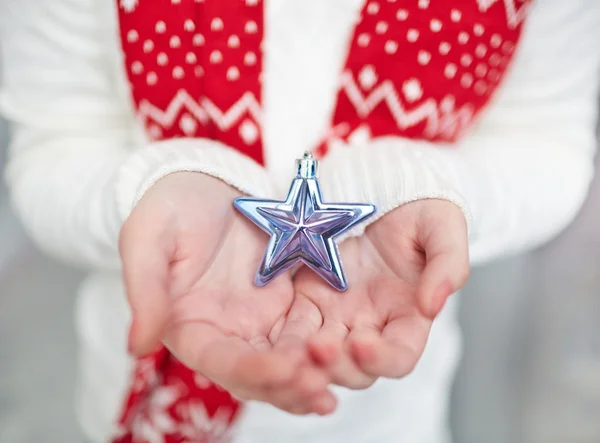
(408, 216)
(197, 183)
(148, 165)
(389, 173)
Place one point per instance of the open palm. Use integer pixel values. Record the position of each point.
(400, 273)
(189, 262)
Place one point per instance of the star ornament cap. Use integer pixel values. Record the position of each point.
(303, 229)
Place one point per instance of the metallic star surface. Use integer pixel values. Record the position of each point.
(303, 229)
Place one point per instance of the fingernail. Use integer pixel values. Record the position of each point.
(440, 297)
(326, 405)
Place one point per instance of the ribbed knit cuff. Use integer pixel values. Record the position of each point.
(388, 173)
(149, 164)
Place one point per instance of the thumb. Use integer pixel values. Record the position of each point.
(443, 236)
(146, 278)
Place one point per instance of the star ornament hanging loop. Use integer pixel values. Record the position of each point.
(303, 229)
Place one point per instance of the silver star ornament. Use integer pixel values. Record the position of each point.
(303, 229)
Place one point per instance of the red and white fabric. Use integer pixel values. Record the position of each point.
(413, 69)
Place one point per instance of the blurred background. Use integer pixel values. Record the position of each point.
(530, 372)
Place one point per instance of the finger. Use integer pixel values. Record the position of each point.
(303, 320)
(447, 268)
(330, 349)
(326, 404)
(231, 361)
(305, 394)
(327, 345)
(324, 352)
(310, 383)
(394, 352)
(323, 404)
(145, 256)
(308, 390)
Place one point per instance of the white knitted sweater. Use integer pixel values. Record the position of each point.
(79, 162)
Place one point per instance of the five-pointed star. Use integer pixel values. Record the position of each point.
(303, 229)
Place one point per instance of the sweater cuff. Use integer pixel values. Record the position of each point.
(388, 172)
(148, 165)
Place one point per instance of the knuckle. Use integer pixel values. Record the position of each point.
(307, 388)
(290, 404)
(296, 410)
(407, 369)
(406, 366)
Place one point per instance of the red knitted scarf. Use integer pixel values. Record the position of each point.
(415, 68)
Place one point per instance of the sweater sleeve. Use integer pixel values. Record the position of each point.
(76, 167)
(523, 173)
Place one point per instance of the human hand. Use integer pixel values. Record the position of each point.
(189, 260)
(401, 271)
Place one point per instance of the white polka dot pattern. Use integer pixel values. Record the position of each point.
(439, 63)
(233, 41)
(250, 59)
(466, 60)
(412, 90)
(423, 57)
(189, 25)
(216, 57)
(132, 36)
(412, 35)
(161, 27)
(175, 42)
(444, 48)
(191, 58)
(233, 73)
(162, 59)
(137, 67)
(422, 52)
(450, 70)
(435, 25)
(381, 27)
(151, 78)
(148, 46)
(216, 24)
(251, 27)
(373, 8)
(391, 47)
(198, 40)
(177, 64)
(364, 39)
(402, 14)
